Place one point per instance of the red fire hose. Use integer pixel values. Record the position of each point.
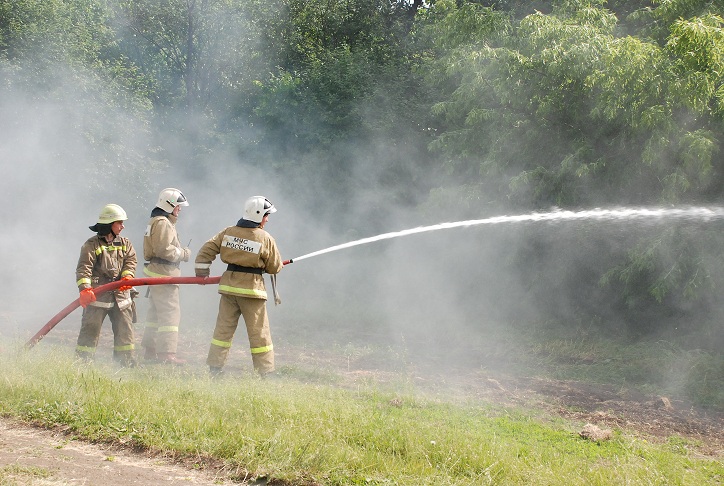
(112, 286)
(120, 283)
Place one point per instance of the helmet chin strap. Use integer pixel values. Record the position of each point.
(112, 233)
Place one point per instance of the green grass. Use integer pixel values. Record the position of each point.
(291, 430)
(14, 474)
(569, 351)
(661, 367)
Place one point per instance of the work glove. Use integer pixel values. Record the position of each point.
(187, 254)
(87, 296)
(203, 272)
(123, 288)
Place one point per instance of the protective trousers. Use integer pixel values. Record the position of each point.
(90, 331)
(257, 328)
(163, 319)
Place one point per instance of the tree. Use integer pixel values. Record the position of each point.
(60, 58)
(570, 113)
(346, 94)
(562, 106)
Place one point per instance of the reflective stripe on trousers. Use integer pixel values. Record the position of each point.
(163, 319)
(231, 309)
(227, 344)
(92, 322)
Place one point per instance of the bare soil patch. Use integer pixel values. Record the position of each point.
(658, 417)
(35, 456)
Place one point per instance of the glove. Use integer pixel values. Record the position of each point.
(87, 296)
(123, 288)
(187, 254)
(202, 272)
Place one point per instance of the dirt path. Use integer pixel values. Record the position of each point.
(32, 456)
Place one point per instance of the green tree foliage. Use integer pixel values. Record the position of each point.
(590, 108)
(63, 55)
(346, 93)
(508, 104)
(204, 59)
(671, 272)
(569, 112)
(198, 52)
(654, 20)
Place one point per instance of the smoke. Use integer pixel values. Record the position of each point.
(61, 164)
(445, 296)
(437, 294)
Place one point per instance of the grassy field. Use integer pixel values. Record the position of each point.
(305, 428)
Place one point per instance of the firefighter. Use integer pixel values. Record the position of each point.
(104, 258)
(163, 253)
(248, 251)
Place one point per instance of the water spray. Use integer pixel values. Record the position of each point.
(698, 213)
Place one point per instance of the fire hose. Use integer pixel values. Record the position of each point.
(132, 282)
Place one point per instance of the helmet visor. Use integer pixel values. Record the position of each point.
(269, 207)
(177, 199)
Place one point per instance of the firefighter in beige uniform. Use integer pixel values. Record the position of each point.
(104, 258)
(164, 254)
(249, 251)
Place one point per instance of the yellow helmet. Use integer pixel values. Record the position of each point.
(111, 213)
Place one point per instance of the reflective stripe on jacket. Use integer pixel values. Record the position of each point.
(246, 247)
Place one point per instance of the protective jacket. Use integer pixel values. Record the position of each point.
(244, 250)
(163, 252)
(101, 262)
(248, 251)
(161, 246)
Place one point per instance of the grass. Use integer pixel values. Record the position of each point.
(659, 366)
(320, 433)
(13, 474)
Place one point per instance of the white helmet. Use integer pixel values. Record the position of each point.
(256, 207)
(169, 198)
(111, 213)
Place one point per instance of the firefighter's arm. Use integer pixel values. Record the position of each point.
(206, 255)
(84, 269)
(129, 262)
(273, 263)
(128, 269)
(163, 235)
(84, 274)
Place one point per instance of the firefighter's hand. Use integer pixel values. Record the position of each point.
(123, 288)
(202, 272)
(87, 296)
(187, 254)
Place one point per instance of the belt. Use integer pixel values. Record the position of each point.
(165, 262)
(238, 268)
